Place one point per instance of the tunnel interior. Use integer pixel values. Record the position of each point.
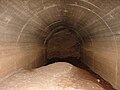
(34, 31)
(63, 45)
(63, 41)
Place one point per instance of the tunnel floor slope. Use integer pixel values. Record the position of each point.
(56, 76)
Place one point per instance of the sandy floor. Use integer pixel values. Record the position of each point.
(57, 76)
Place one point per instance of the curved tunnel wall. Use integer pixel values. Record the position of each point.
(25, 24)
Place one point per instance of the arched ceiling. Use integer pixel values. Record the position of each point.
(33, 19)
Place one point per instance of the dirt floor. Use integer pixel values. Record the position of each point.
(77, 62)
(56, 76)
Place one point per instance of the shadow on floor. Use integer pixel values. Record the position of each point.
(72, 60)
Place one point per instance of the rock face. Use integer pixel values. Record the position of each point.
(57, 76)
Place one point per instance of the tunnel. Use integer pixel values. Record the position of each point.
(34, 31)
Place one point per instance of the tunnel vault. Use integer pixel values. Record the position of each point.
(63, 38)
(27, 25)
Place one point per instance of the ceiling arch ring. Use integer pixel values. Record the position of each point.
(52, 6)
(74, 5)
(34, 15)
(54, 30)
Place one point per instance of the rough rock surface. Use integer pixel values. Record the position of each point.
(57, 76)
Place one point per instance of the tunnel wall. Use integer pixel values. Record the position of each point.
(18, 49)
(15, 57)
(101, 48)
(103, 62)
